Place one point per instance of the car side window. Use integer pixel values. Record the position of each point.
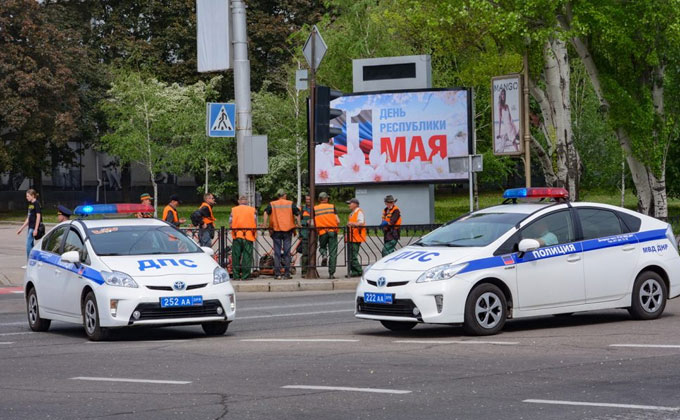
(53, 242)
(597, 223)
(553, 229)
(74, 243)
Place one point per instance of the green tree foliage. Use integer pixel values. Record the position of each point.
(40, 96)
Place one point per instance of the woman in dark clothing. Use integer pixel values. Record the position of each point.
(33, 219)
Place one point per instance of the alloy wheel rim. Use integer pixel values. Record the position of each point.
(651, 295)
(32, 309)
(488, 310)
(90, 317)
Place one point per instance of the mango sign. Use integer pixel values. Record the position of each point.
(396, 137)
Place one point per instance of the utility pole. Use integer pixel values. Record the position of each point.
(244, 126)
(312, 272)
(527, 131)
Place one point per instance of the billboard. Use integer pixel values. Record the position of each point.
(396, 137)
(506, 112)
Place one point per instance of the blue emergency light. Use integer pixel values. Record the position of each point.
(543, 192)
(112, 209)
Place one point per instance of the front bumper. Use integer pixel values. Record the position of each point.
(141, 306)
(439, 302)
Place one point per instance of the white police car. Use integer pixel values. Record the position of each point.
(111, 273)
(519, 260)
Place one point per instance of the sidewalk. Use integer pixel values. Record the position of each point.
(13, 257)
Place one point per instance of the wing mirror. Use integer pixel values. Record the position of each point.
(208, 250)
(71, 257)
(526, 245)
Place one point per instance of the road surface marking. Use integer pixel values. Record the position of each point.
(592, 404)
(6, 342)
(137, 342)
(8, 290)
(498, 343)
(7, 324)
(16, 333)
(657, 346)
(344, 388)
(294, 314)
(141, 381)
(302, 340)
(302, 305)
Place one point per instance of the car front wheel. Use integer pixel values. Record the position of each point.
(91, 319)
(485, 310)
(215, 328)
(33, 310)
(649, 296)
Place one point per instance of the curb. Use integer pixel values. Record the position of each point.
(294, 285)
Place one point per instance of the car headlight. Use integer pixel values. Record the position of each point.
(220, 275)
(441, 272)
(116, 278)
(363, 275)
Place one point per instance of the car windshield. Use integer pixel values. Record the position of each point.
(478, 229)
(140, 240)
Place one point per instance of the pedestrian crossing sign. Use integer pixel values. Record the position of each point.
(220, 119)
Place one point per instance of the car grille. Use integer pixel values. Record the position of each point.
(150, 311)
(196, 286)
(400, 307)
(393, 284)
(169, 289)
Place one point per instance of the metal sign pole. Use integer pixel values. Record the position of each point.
(525, 126)
(312, 273)
(470, 182)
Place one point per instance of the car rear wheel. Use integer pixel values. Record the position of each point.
(398, 326)
(91, 319)
(485, 310)
(649, 296)
(33, 311)
(215, 328)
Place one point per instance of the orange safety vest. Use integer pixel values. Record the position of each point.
(325, 217)
(282, 219)
(208, 220)
(387, 216)
(357, 234)
(243, 217)
(169, 209)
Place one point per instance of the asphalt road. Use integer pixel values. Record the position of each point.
(304, 356)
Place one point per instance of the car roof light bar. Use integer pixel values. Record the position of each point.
(541, 192)
(89, 209)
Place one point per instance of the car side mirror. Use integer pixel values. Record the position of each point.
(208, 250)
(526, 245)
(71, 257)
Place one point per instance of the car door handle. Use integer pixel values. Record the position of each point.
(628, 248)
(573, 258)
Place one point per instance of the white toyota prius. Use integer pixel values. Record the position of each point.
(525, 259)
(111, 273)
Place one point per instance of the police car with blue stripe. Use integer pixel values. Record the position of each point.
(523, 259)
(111, 273)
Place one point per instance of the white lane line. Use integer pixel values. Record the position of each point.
(294, 314)
(302, 305)
(138, 342)
(657, 346)
(8, 324)
(6, 342)
(17, 291)
(497, 343)
(344, 388)
(592, 404)
(16, 333)
(300, 340)
(141, 381)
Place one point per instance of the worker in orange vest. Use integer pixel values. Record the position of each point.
(391, 220)
(326, 221)
(356, 236)
(170, 211)
(281, 216)
(206, 232)
(243, 224)
(145, 199)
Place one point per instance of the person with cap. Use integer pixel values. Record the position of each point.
(206, 231)
(243, 225)
(306, 224)
(326, 221)
(356, 236)
(145, 199)
(391, 220)
(281, 216)
(170, 211)
(63, 213)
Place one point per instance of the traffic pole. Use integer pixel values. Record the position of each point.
(527, 131)
(312, 273)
